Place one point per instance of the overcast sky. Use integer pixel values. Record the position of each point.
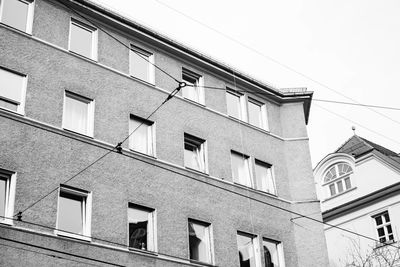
(342, 50)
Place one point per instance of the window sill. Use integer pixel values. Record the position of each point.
(197, 171)
(85, 57)
(72, 235)
(142, 154)
(6, 222)
(15, 29)
(340, 194)
(248, 124)
(12, 111)
(144, 251)
(194, 102)
(254, 189)
(201, 263)
(379, 245)
(143, 81)
(81, 134)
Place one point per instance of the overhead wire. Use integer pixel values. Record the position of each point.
(117, 148)
(272, 59)
(313, 99)
(125, 246)
(46, 254)
(169, 97)
(359, 124)
(61, 252)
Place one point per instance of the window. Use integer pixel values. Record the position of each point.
(247, 109)
(273, 254)
(83, 39)
(74, 212)
(241, 169)
(257, 114)
(235, 103)
(78, 114)
(12, 90)
(337, 178)
(7, 195)
(142, 138)
(17, 14)
(383, 227)
(141, 225)
(195, 156)
(264, 178)
(247, 247)
(141, 64)
(200, 241)
(193, 89)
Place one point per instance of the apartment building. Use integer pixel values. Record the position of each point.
(122, 147)
(359, 189)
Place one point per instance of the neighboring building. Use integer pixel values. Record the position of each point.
(359, 189)
(210, 178)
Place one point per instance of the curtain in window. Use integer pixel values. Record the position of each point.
(15, 14)
(140, 139)
(198, 242)
(76, 115)
(11, 86)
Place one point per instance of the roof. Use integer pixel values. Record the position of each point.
(357, 146)
(300, 94)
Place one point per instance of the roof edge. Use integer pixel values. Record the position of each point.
(183, 48)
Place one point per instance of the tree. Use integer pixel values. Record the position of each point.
(381, 255)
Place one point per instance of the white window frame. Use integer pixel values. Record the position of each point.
(90, 119)
(242, 105)
(210, 243)
(263, 113)
(11, 182)
(335, 181)
(279, 249)
(151, 227)
(256, 246)
(198, 86)
(87, 27)
(150, 63)
(271, 168)
(86, 216)
(21, 105)
(248, 161)
(29, 19)
(384, 226)
(151, 135)
(201, 146)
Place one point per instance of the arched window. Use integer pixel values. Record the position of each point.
(337, 178)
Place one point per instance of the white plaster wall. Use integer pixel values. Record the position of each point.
(370, 174)
(342, 244)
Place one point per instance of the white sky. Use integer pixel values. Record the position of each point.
(352, 47)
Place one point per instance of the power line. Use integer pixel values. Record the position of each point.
(362, 126)
(118, 148)
(86, 236)
(272, 59)
(47, 254)
(355, 104)
(61, 252)
(314, 99)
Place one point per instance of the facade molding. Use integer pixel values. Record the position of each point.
(361, 202)
(154, 87)
(132, 154)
